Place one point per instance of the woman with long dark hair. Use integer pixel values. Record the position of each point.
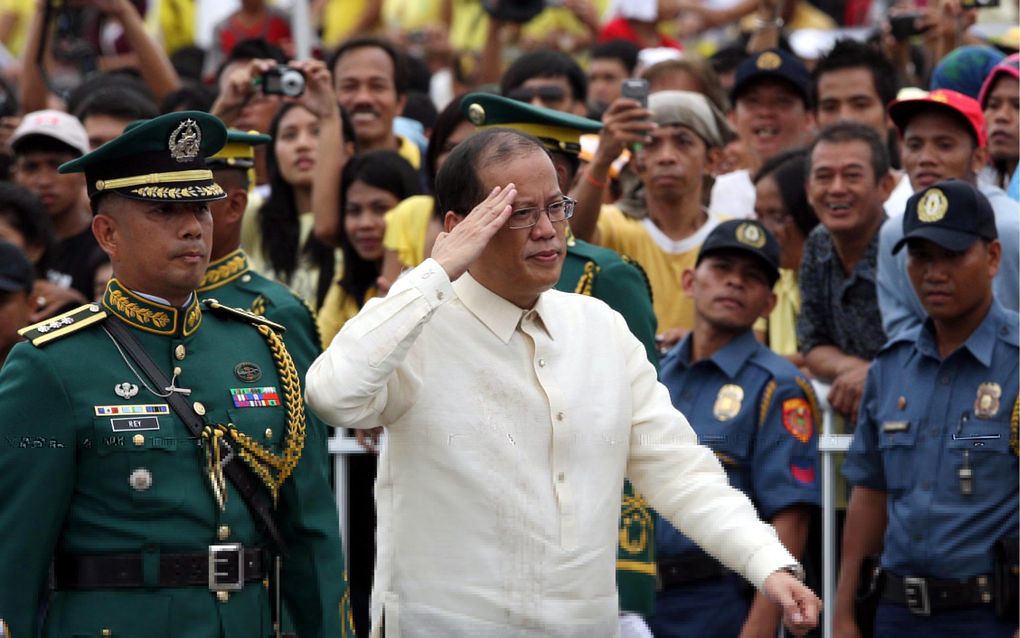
(371, 185)
(285, 248)
(781, 206)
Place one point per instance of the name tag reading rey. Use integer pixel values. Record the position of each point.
(133, 418)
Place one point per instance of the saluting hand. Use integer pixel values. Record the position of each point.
(466, 237)
(800, 605)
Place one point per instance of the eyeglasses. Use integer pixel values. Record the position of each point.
(548, 94)
(528, 217)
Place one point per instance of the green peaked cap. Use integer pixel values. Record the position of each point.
(557, 130)
(162, 159)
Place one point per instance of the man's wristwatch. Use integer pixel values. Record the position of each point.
(795, 570)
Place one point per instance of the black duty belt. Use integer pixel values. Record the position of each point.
(681, 570)
(224, 567)
(923, 596)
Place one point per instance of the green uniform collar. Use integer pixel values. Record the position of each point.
(224, 270)
(138, 312)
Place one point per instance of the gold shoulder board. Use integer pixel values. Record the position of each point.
(62, 325)
(241, 313)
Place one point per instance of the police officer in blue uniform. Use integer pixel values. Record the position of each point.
(756, 411)
(934, 457)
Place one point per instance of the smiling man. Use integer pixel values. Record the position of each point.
(371, 83)
(157, 444)
(943, 137)
(771, 113)
(513, 414)
(848, 179)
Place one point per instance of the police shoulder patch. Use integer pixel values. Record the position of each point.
(242, 314)
(62, 325)
(797, 419)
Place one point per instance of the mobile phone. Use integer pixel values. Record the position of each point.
(635, 90)
(905, 25)
(283, 81)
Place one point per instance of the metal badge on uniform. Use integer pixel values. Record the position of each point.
(901, 402)
(727, 402)
(125, 390)
(266, 397)
(134, 423)
(986, 405)
(476, 114)
(797, 419)
(248, 372)
(895, 426)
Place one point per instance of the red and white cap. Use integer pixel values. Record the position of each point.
(57, 125)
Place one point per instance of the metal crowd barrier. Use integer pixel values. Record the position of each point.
(829, 443)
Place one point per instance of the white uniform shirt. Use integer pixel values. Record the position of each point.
(509, 436)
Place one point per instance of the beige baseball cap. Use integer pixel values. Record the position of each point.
(57, 125)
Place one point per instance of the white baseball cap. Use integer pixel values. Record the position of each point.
(57, 125)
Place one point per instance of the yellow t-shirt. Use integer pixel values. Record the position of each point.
(21, 11)
(782, 323)
(410, 15)
(406, 227)
(663, 259)
(338, 18)
(336, 309)
(410, 151)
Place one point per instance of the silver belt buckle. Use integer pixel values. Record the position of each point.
(226, 567)
(915, 593)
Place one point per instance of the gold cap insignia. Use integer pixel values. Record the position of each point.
(727, 402)
(986, 405)
(185, 141)
(751, 235)
(932, 206)
(476, 113)
(769, 61)
(938, 97)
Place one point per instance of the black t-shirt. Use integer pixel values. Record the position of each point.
(75, 262)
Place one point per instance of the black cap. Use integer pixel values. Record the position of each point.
(746, 235)
(773, 63)
(953, 214)
(16, 271)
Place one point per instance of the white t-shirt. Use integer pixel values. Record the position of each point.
(733, 196)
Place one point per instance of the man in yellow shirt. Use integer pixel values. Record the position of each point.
(671, 161)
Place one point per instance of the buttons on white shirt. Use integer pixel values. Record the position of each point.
(541, 363)
(559, 416)
(440, 295)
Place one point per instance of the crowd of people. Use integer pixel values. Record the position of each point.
(572, 272)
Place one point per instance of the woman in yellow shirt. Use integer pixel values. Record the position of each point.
(781, 205)
(412, 226)
(372, 184)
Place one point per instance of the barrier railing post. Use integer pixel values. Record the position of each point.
(829, 443)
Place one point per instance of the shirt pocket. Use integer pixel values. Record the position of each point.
(142, 468)
(983, 446)
(897, 442)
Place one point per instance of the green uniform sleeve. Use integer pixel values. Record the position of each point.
(37, 469)
(623, 286)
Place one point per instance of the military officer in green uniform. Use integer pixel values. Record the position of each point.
(606, 275)
(229, 278)
(154, 447)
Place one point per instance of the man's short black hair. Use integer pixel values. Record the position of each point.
(458, 187)
(23, 212)
(617, 49)
(851, 54)
(102, 91)
(842, 132)
(399, 67)
(545, 63)
(252, 49)
(119, 102)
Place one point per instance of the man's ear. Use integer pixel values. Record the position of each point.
(687, 282)
(979, 159)
(104, 227)
(238, 198)
(713, 159)
(451, 220)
